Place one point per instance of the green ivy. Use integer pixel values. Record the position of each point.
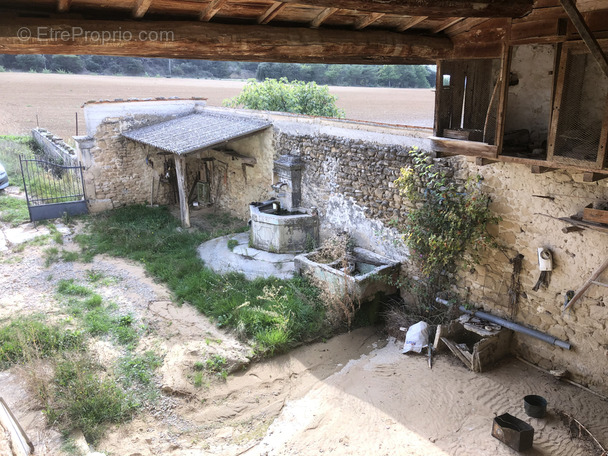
(447, 227)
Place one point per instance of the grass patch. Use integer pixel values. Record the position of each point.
(28, 338)
(275, 313)
(10, 149)
(69, 288)
(13, 211)
(69, 256)
(232, 243)
(79, 397)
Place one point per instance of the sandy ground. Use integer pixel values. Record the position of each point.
(56, 98)
(355, 394)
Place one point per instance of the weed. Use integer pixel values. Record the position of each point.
(97, 322)
(13, 211)
(69, 256)
(197, 379)
(93, 301)
(232, 243)
(68, 287)
(26, 338)
(55, 234)
(138, 369)
(94, 276)
(199, 366)
(51, 255)
(80, 398)
(216, 363)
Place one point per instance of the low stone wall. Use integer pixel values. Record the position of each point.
(54, 148)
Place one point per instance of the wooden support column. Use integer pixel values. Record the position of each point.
(593, 177)
(180, 170)
(586, 34)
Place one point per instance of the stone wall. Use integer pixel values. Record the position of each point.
(54, 148)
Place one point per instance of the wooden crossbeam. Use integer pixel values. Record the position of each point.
(593, 279)
(141, 7)
(411, 22)
(537, 169)
(367, 20)
(63, 6)
(447, 23)
(465, 25)
(211, 10)
(216, 41)
(271, 12)
(586, 34)
(323, 15)
(435, 8)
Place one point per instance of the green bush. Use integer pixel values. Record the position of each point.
(280, 95)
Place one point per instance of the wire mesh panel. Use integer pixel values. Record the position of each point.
(469, 96)
(581, 108)
(52, 190)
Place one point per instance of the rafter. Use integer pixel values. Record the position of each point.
(271, 12)
(63, 6)
(447, 23)
(211, 10)
(141, 7)
(464, 26)
(367, 20)
(258, 43)
(323, 15)
(411, 22)
(435, 8)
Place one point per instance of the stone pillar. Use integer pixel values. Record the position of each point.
(288, 181)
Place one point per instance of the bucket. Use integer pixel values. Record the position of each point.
(535, 406)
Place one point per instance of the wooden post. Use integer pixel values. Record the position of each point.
(180, 170)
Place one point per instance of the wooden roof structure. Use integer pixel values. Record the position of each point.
(322, 31)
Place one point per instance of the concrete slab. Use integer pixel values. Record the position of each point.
(251, 262)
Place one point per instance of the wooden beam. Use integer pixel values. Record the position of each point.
(141, 7)
(213, 41)
(323, 15)
(480, 161)
(586, 34)
(367, 20)
(465, 25)
(460, 147)
(184, 209)
(271, 12)
(435, 8)
(598, 272)
(63, 6)
(445, 24)
(593, 177)
(411, 22)
(211, 10)
(537, 169)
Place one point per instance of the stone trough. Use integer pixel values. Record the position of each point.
(367, 274)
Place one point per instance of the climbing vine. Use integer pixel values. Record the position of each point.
(447, 227)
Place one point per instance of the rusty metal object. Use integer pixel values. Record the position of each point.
(513, 432)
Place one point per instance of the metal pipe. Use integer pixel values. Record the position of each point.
(513, 326)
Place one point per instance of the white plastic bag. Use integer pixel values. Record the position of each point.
(416, 338)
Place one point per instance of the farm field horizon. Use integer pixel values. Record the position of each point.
(53, 100)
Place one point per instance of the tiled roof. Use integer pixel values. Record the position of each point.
(197, 131)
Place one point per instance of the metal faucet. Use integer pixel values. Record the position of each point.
(277, 187)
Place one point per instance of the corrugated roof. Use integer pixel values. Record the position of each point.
(196, 131)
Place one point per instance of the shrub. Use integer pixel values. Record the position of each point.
(280, 95)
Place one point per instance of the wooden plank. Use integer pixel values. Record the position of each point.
(367, 20)
(271, 12)
(141, 7)
(184, 209)
(590, 176)
(458, 352)
(465, 25)
(480, 161)
(63, 5)
(214, 41)
(586, 34)
(457, 147)
(557, 103)
(447, 23)
(436, 8)
(582, 224)
(437, 121)
(595, 215)
(211, 10)
(598, 272)
(19, 442)
(317, 21)
(411, 22)
(602, 154)
(503, 95)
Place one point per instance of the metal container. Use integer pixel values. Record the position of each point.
(513, 432)
(535, 406)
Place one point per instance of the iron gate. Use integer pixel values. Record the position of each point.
(52, 190)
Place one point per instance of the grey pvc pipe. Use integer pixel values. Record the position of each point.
(513, 326)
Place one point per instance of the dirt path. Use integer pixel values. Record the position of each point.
(352, 395)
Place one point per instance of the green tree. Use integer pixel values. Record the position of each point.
(67, 63)
(30, 62)
(280, 95)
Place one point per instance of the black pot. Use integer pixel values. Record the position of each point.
(535, 406)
